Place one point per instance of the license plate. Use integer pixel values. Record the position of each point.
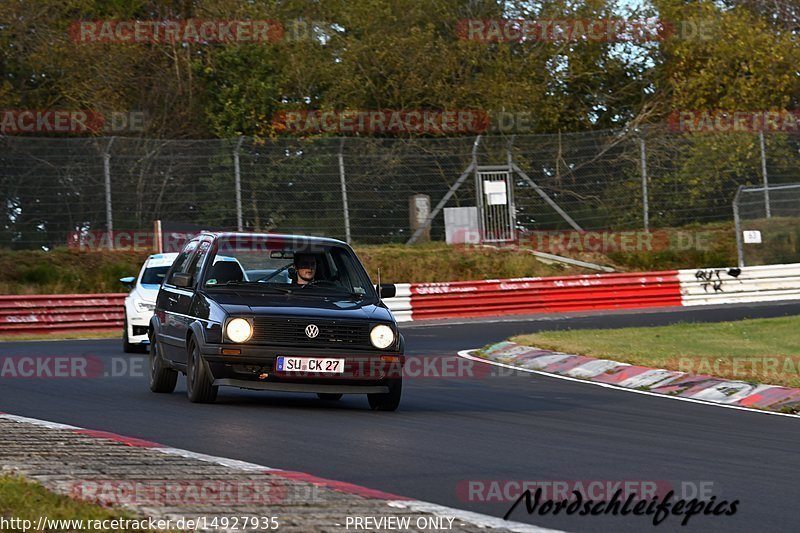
(310, 364)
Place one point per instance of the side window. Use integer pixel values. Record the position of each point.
(181, 261)
(344, 266)
(197, 262)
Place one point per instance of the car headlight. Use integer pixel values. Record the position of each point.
(239, 330)
(381, 336)
(144, 307)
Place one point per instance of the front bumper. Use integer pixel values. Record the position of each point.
(137, 324)
(303, 387)
(255, 368)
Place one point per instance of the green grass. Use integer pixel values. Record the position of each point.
(439, 262)
(62, 271)
(23, 499)
(761, 350)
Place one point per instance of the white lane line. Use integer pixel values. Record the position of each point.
(37, 422)
(467, 354)
(229, 463)
(468, 517)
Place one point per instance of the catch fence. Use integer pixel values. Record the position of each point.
(359, 188)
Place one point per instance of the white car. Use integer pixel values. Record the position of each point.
(141, 301)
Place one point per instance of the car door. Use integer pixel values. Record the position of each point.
(182, 308)
(173, 344)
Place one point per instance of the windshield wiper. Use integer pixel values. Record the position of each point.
(248, 285)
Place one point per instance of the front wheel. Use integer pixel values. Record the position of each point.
(387, 401)
(199, 386)
(162, 378)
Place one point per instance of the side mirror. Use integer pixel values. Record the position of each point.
(182, 279)
(128, 282)
(387, 290)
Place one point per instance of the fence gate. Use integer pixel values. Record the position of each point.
(496, 214)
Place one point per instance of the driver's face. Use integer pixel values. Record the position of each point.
(305, 270)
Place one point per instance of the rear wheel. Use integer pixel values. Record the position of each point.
(329, 396)
(199, 386)
(162, 378)
(387, 401)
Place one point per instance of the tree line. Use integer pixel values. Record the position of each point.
(399, 54)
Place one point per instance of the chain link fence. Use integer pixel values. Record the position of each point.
(358, 188)
(767, 224)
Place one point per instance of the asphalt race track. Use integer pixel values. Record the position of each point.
(453, 430)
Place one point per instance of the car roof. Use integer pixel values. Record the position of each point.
(164, 259)
(277, 237)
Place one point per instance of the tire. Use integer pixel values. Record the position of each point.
(162, 378)
(329, 396)
(199, 386)
(127, 347)
(387, 401)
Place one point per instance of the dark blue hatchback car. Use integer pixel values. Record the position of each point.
(274, 312)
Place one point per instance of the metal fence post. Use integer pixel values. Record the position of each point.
(764, 173)
(345, 208)
(450, 192)
(512, 207)
(738, 228)
(107, 179)
(237, 173)
(645, 200)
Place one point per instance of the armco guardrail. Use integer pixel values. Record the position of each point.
(544, 295)
(56, 313)
(461, 299)
(769, 283)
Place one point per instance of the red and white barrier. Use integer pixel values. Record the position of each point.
(714, 286)
(57, 313)
(544, 295)
(462, 299)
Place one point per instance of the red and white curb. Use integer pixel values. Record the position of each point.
(661, 383)
(391, 500)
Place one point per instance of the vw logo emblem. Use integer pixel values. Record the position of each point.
(312, 331)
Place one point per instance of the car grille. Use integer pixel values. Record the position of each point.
(292, 331)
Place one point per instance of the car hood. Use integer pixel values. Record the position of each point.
(242, 303)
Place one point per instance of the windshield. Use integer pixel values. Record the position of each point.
(154, 275)
(317, 270)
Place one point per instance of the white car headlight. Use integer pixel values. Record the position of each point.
(239, 330)
(144, 307)
(381, 336)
